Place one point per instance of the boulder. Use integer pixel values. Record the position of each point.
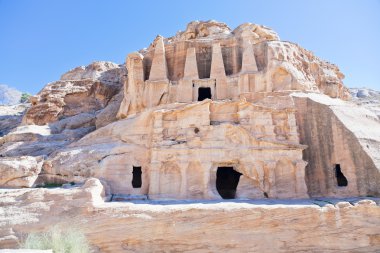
(20, 171)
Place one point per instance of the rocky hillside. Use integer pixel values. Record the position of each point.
(13, 104)
(208, 113)
(84, 99)
(81, 91)
(11, 117)
(367, 98)
(9, 96)
(88, 98)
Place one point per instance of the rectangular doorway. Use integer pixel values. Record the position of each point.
(204, 93)
(136, 179)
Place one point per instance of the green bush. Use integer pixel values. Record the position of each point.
(24, 97)
(60, 241)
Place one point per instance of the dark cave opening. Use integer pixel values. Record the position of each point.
(227, 180)
(136, 180)
(203, 93)
(340, 178)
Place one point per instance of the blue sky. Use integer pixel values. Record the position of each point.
(42, 39)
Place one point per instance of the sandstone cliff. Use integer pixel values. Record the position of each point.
(208, 114)
(248, 70)
(64, 111)
(81, 90)
(350, 139)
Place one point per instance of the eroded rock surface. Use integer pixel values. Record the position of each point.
(81, 90)
(340, 136)
(208, 114)
(63, 112)
(181, 148)
(207, 104)
(325, 225)
(19, 171)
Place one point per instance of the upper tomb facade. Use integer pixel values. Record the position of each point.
(209, 60)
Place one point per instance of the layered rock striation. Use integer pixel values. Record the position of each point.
(81, 90)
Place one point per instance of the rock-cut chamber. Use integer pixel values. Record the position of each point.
(203, 93)
(136, 179)
(227, 180)
(340, 178)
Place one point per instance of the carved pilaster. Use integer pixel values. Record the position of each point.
(184, 92)
(218, 72)
(249, 61)
(135, 87)
(159, 69)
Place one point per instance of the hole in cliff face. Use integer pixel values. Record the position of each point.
(227, 180)
(136, 180)
(340, 178)
(203, 93)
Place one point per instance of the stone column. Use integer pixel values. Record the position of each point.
(301, 188)
(154, 180)
(157, 87)
(185, 88)
(135, 88)
(159, 69)
(249, 61)
(243, 84)
(218, 72)
(209, 181)
(293, 130)
(183, 190)
(247, 79)
(191, 68)
(269, 178)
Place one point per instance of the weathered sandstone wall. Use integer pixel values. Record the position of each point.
(232, 64)
(245, 226)
(180, 149)
(186, 107)
(338, 133)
